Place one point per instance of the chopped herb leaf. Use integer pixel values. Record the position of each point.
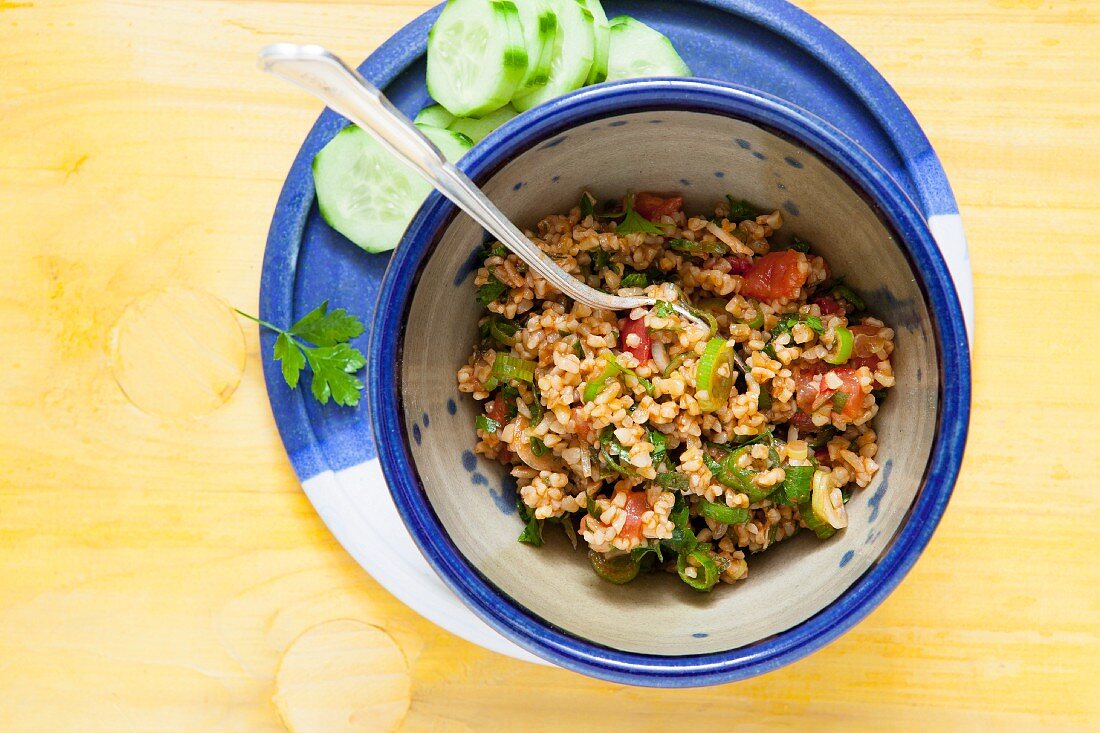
(490, 291)
(659, 441)
(635, 222)
(673, 480)
(686, 245)
(493, 249)
(535, 407)
(800, 245)
(663, 309)
(588, 204)
(634, 280)
(486, 424)
(578, 349)
(640, 552)
(601, 258)
(741, 209)
(840, 399)
(538, 447)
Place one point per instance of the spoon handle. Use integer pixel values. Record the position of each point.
(343, 89)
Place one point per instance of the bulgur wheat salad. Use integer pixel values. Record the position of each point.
(639, 435)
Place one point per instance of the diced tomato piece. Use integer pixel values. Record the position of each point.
(775, 275)
(871, 362)
(496, 410)
(822, 455)
(636, 506)
(813, 392)
(653, 207)
(802, 421)
(828, 305)
(739, 265)
(640, 348)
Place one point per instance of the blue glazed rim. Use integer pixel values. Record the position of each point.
(527, 629)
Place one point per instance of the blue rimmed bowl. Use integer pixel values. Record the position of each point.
(704, 139)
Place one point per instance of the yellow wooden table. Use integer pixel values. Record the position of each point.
(156, 567)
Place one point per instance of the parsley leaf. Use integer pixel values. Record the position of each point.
(490, 291)
(660, 447)
(800, 245)
(319, 341)
(601, 258)
(741, 209)
(635, 222)
(634, 280)
(663, 309)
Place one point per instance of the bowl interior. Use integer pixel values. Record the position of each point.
(704, 156)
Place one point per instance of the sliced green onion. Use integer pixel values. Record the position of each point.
(722, 513)
(619, 570)
(673, 480)
(716, 358)
(796, 484)
(578, 349)
(827, 515)
(843, 291)
(728, 473)
(843, 347)
(535, 408)
(757, 321)
(592, 389)
(705, 568)
(502, 330)
(507, 366)
(538, 447)
(486, 424)
(674, 364)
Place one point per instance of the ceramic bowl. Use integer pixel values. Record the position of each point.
(704, 140)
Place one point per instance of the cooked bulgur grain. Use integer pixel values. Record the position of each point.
(640, 434)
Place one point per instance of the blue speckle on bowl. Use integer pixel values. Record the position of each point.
(655, 122)
(452, 408)
(758, 155)
(469, 267)
(920, 375)
(719, 174)
(790, 207)
(880, 492)
(616, 123)
(700, 635)
(847, 557)
(685, 182)
(555, 179)
(425, 420)
(479, 479)
(469, 460)
(903, 311)
(555, 142)
(519, 185)
(743, 144)
(506, 498)
(793, 162)
(416, 433)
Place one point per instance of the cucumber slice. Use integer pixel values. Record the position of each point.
(435, 116)
(602, 31)
(637, 50)
(540, 33)
(574, 49)
(365, 193)
(478, 130)
(476, 56)
(824, 514)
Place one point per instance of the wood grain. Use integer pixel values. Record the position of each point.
(153, 570)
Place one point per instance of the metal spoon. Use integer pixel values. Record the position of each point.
(343, 89)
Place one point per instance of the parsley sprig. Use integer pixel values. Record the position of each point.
(319, 340)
